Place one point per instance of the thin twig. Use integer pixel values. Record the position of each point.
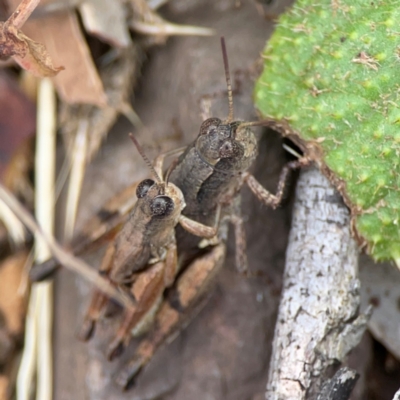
(23, 12)
(65, 258)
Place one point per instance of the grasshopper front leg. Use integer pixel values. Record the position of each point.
(266, 197)
(199, 229)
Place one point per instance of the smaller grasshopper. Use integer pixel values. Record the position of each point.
(142, 260)
(212, 171)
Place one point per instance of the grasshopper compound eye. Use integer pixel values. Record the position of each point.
(144, 187)
(226, 150)
(162, 206)
(230, 149)
(209, 125)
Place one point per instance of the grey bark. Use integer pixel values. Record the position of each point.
(318, 321)
(340, 386)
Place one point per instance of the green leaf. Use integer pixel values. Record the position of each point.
(332, 71)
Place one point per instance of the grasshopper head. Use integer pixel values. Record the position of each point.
(228, 146)
(160, 200)
(225, 145)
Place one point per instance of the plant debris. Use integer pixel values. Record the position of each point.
(29, 54)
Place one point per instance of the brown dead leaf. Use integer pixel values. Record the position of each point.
(80, 82)
(6, 345)
(118, 78)
(4, 382)
(29, 54)
(17, 173)
(18, 123)
(12, 303)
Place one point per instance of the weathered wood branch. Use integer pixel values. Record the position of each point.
(318, 321)
(397, 395)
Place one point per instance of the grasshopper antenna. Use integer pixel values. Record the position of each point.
(170, 169)
(146, 160)
(228, 79)
(263, 122)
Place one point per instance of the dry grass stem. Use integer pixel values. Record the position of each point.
(62, 177)
(129, 113)
(15, 229)
(27, 366)
(78, 165)
(168, 29)
(39, 357)
(45, 161)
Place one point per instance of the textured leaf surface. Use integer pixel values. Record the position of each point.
(332, 71)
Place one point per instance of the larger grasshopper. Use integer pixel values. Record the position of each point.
(212, 171)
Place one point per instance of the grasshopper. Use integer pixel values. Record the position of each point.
(212, 171)
(142, 260)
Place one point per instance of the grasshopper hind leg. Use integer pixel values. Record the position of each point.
(97, 304)
(263, 195)
(148, 290)
(98, 301)
(184, 300)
